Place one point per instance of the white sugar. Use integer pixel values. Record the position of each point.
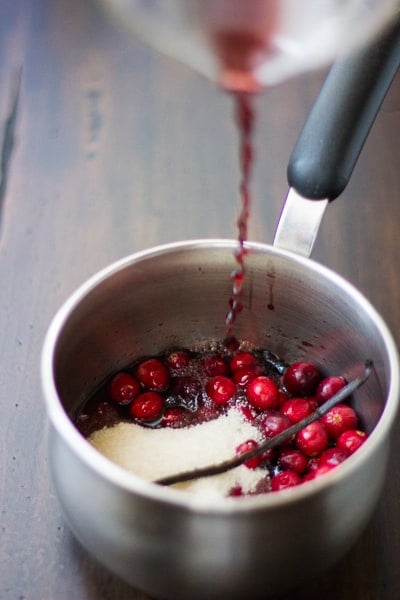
(157, 453)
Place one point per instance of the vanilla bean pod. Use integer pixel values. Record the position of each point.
(231, 463)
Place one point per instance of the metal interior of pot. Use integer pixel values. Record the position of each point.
(179, 296)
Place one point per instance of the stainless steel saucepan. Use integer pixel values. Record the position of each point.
(173, 545)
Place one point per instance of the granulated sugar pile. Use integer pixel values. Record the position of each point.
(156, 453)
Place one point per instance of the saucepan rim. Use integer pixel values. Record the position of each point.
(130, 482)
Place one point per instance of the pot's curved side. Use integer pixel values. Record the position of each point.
(173, 553)
(165, 542)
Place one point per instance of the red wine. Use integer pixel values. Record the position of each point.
(241, 34)
(245, 117)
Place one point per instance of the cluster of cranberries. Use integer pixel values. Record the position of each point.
(183, 388)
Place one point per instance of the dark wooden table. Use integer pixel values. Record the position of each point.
(108, 148)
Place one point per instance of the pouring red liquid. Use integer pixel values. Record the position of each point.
(245, 118)
(240, 34)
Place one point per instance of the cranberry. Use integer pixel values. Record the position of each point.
(273, 423)
(187, 387)
(312, 463)
(178, 360)
(247, 411)
(318, 471)
(153, 374)
(104, 414)
(262, 393)
(301, 378)
(351, 440)
(282, 397)
(247, 446)
(312, 401)
(292, 460)
(267, 456)
(284, 480)
(220, 389)
(244, 375)
(175, 417)
(332, 457)
(231, 343)
(296, 409)
(338, 419)
(328, 387)
(214, 365)
(123, 388)
(147, 407)
(242, 359)
(312, 439)
(206, 413)
(236, 491)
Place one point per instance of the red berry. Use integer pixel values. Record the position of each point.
(231, 343)
(296, 409)
(262, 393)
(188, 388)
(178, 360)
(175, 417)
(351, 440)
(282, 397)
(247, 446)
(284, 480)
(268, 455)
(338, 419)
(318, 472)
(292, 460)
(332, 457)
(301, 378)
(147, 406)
(153, 374)
(104, 414)
(273, 423)
(247, 411)
(124, 388)
(312, 439)
(236, 491)
(312, 463)
(242, 359)
(220, 389)
(214, 365)
(328, 387)
(207, 413)
(312, 402)
(244, 375)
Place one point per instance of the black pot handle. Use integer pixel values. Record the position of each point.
(332, 138)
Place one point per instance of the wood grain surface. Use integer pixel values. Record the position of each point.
(108, 148)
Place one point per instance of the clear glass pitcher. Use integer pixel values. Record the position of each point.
(250, 44)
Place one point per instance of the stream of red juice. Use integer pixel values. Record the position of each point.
(245, 118)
